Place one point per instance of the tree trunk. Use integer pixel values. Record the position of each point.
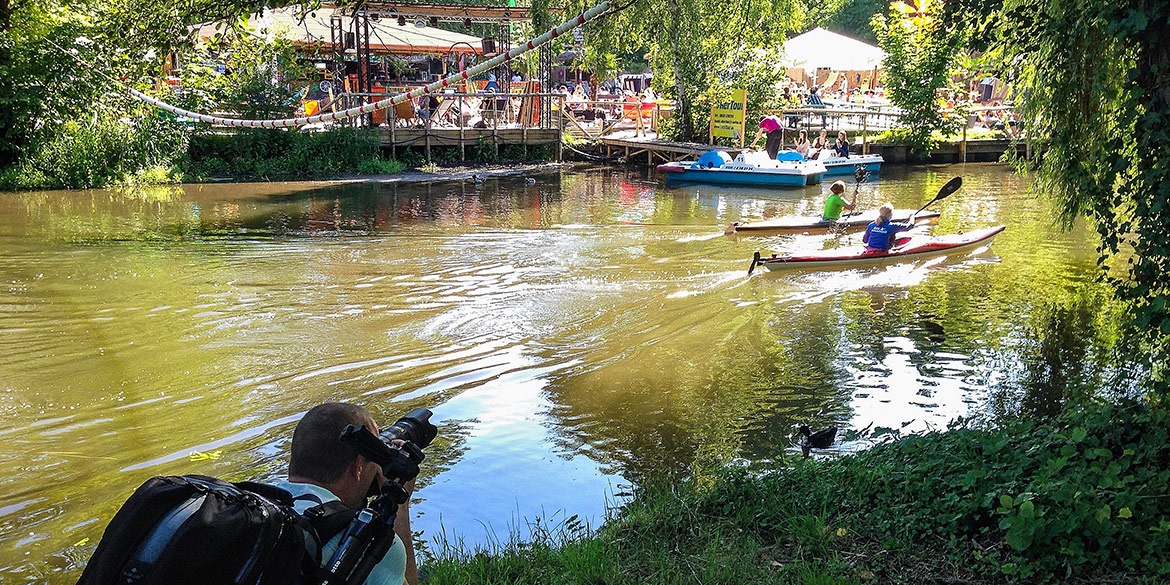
(682, 97)
(5, 15)
(686, 128)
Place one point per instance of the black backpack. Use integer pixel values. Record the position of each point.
(198, 530)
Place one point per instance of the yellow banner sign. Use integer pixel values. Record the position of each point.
(727, 117)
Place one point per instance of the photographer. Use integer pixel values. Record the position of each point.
(322, 468)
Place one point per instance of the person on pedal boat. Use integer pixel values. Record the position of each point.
(835, 203)
(879, 235)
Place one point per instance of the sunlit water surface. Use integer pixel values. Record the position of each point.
(572, 337)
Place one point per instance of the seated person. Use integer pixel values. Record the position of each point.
(835, 203)
(802, 144)
(879, 235)
(492, 86)
(469, 110)
(841, 147)
(814, 99)
(427, 105)
(819, 144)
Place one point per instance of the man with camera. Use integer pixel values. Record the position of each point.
(318, 527)
(322, 468)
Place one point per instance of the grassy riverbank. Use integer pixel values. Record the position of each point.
(1081, 499)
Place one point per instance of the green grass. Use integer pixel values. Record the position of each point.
(1083, 498)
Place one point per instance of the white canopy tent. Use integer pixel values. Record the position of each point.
(823, 49)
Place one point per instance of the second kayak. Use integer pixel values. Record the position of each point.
(914, 248)
(797, 224)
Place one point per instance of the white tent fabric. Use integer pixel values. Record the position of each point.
(822, 48)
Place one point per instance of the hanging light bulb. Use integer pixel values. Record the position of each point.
(467, 23)
(401, 21)
(434, 21)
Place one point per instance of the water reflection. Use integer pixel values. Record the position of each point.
(592, 329)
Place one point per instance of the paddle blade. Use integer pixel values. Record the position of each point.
(951, 186)
(755, 261)
(860, 174)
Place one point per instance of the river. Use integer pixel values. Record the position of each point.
(572, 337)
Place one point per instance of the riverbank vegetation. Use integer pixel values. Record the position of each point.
(1079, 498)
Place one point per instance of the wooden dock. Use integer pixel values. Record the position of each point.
(657, 150)
(425, 138)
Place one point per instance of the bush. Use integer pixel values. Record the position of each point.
(278, 154)
(101, 151)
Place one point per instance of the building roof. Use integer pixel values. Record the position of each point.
(386, 35)
(820, 48)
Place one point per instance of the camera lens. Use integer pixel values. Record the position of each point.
(415, 427)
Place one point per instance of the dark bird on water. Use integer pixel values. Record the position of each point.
(530, 181)
(820, 439)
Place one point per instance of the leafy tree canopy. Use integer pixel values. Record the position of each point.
(1091, 79)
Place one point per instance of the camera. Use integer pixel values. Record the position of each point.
(399, 463)
(415, 427)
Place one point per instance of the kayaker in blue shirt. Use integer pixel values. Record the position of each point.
(879, 235)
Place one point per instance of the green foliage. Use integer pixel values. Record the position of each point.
(484, 151)
(849, 17)
(278, 154)
(691, 44)
(100, 151)
(756, 71)
(1077, 499)
(256, 80)
(921, 56)
(1091, 76)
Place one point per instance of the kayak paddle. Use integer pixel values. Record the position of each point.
(861, 175)
(755, 261)
(951, 186)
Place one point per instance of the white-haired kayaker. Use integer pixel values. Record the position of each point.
(879, 235)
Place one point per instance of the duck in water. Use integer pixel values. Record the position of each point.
(819, 440)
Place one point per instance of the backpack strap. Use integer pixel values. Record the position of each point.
(329, 519)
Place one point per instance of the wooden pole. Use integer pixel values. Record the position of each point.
(393, 123)
(430, 117)
(865, 133)
(963, 144)
(561, 134)
(462, 145)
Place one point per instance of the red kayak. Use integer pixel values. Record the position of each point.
(799, 224)
(913, 248)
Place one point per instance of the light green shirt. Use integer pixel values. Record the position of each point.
(833, 206)
(390, 571)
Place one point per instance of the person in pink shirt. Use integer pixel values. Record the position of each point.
(770, 125)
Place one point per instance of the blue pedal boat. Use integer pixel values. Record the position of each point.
(748, 168)
(840, 165)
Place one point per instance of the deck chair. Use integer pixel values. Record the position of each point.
(404, 113)
(445, 113)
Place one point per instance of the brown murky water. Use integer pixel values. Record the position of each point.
(571, 336)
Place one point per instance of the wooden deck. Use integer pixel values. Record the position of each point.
(394, 138)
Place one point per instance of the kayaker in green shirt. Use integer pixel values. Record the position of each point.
(835, 203)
